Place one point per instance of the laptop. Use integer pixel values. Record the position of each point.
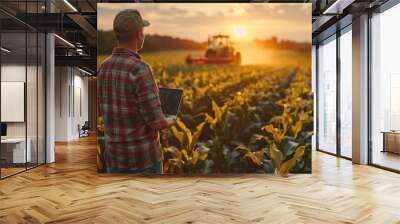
(170, 101)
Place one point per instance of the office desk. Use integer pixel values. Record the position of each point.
(391, 141)
(13, 150)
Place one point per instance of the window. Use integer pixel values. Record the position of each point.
(385, 89)
(346, 93)
(327, 95)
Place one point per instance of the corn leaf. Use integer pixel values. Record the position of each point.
(289, 164)
(297, 128)
(203, 152)
(195, 157)
(276, 133)
(254, 156)
(242, 148)
(166, 167)
(196, 134)
(216, 109)
(261, 138)
(187, 134)
(212, 121)
(260, 154)
(100, 124)
(178, 135)
(185, 155)
(276, 156)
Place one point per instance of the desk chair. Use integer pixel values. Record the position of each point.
(84, 130)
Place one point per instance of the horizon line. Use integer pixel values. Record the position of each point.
(254, 39)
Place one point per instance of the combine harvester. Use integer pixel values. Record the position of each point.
(220, 50)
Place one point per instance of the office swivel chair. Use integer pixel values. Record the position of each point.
(84, 130)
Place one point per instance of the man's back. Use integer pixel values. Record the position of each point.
(128, 101)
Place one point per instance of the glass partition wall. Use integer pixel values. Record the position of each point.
(385, 89)
(345, 65)
(22, 92)
(334, 94)
(327, 95)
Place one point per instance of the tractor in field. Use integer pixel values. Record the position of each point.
(220, 50)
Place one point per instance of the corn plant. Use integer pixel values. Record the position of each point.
(100, 145)
(237, 118)
(189, 154)
(228, 128)
(289, 133)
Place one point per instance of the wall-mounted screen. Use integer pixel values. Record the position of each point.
(12, 101)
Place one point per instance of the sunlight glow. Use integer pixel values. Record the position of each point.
(239, 31)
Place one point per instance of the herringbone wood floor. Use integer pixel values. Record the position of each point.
(70, 191)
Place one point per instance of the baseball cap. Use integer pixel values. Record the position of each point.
(129, 21)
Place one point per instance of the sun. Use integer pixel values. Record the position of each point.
(239, 31)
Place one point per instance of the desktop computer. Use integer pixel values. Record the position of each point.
(3, 131)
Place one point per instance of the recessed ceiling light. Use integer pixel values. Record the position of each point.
(70, 5)
(84, 71)
(64, 40)
(5, 50)
(337, 7)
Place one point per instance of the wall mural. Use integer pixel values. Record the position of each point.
(245, 75)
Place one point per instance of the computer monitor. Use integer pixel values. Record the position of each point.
(3, 129)
(170, 101)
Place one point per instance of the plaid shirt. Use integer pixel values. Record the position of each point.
(128, 101)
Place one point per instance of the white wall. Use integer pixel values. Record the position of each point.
(71, 93)
(79, 110)
(61, 103)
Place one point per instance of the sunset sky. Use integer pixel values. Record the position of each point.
(244, 22)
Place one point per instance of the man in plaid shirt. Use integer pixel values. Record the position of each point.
(129, 102)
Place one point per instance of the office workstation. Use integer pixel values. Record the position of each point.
(16, 149)
(16, 145)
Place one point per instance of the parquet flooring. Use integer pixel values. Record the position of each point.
(11, 170)
(71, 191)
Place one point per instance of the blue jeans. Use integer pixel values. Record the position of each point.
(154, 169)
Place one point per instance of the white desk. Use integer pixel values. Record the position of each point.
(17, 147)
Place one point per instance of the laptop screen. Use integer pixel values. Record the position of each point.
(170, 100)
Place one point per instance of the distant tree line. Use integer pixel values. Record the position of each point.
(275, 43)
(107, 41)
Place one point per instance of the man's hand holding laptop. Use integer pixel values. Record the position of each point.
(165, 123)
(170, 102)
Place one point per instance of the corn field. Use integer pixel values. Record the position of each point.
(235, 119)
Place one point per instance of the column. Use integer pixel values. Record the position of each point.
(360, 90)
